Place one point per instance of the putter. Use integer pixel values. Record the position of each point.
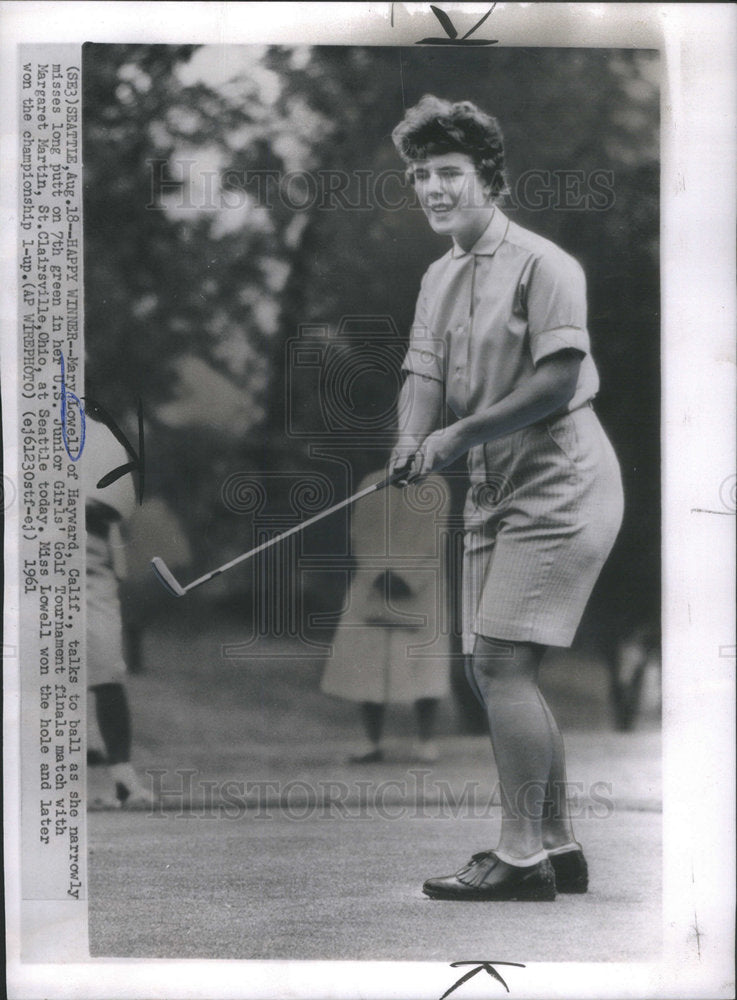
(170, 582)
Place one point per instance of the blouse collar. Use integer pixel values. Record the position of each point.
(489, 241)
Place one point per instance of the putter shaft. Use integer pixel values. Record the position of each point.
(168, 580)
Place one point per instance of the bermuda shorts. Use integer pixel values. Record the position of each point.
(542, 513)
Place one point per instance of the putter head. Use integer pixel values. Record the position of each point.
(166, 577)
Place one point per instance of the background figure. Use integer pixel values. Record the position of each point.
(392, 644)
(106, 509)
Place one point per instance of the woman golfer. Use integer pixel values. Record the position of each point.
(500, 336)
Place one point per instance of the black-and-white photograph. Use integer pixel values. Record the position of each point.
(391, 318)
(370, 508)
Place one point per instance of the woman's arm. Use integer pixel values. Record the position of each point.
(550, 388)
(419, 408)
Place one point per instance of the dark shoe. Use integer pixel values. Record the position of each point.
(571, 871)
(372, 757)
(486, 877)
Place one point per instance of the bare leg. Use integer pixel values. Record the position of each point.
(114, 721)
(372, 714)
(425, 710)
(425, 749)
(557, 827)
(506, 674)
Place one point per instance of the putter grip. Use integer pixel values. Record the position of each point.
(397, 475)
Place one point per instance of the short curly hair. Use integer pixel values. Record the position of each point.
(434, 127)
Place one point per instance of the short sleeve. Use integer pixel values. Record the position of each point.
(424, 354)
(556, 306)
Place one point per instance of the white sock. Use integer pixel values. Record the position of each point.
(564, 849)
(528, 862)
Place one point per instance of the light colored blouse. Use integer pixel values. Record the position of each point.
(486, 317)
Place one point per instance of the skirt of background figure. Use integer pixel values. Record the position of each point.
(392, 645)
